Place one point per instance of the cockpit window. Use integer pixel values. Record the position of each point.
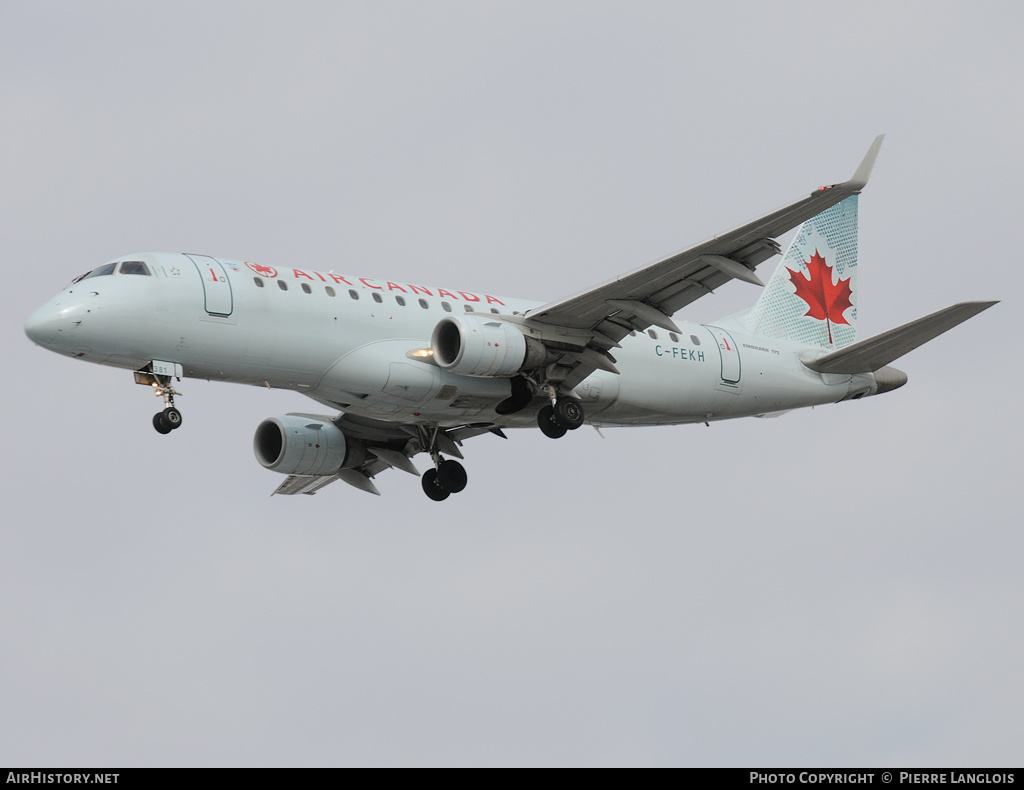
(134, 267)
(108, 269)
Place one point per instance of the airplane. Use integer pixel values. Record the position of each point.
(413, 369)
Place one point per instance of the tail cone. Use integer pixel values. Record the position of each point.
(889, 378)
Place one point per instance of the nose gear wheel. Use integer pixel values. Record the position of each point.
(160, 423)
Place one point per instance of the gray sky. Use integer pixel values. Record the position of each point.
(840, 586)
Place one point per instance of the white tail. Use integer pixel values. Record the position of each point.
(812, 297)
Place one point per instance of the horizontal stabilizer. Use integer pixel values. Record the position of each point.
(874, 353)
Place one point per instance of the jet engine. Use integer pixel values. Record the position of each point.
(476, 345)
(296, 444)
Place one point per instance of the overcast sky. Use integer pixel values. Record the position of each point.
(840, 586)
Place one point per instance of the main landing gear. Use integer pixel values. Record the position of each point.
(449, 477)
(564, 414)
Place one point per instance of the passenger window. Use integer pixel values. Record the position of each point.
(135, 267)
(447, 307)
(423, 304)
(329, 290)
(400, 300)
(354, 295)
(695, 339)
(673, 337)
(653, 334)
(377, 297)
(282, 285)
(306, 288)
(469, 308)
(258, 281)
(495, 310)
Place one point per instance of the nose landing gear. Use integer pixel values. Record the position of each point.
(158, 375)
(170, 418)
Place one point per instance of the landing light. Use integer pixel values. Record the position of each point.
(421, 353)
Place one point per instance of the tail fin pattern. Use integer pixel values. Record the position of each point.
(812, 297)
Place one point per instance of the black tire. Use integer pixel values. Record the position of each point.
(568, 413)
(452, 477)
(172, 417)
(160, 423)
(432, 488)
(548, 426)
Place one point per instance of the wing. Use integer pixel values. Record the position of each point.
(592, 322)
(387, 445)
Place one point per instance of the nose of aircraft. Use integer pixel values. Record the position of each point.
(43, 326)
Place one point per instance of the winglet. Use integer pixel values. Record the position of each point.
(860, 178)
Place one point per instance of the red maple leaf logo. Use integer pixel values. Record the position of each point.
(261, 270)
(827, 301)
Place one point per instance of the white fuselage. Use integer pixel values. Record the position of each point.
(346, 342)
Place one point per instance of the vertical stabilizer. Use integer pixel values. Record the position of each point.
(812, 297)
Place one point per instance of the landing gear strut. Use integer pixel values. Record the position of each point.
(564, 414)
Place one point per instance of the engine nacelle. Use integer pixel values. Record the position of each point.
(476, 345)
(298, 445)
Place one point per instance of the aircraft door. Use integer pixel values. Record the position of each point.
(730, 356)
(216, 286)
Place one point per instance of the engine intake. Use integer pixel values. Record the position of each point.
(301, 445)
(476, 345)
